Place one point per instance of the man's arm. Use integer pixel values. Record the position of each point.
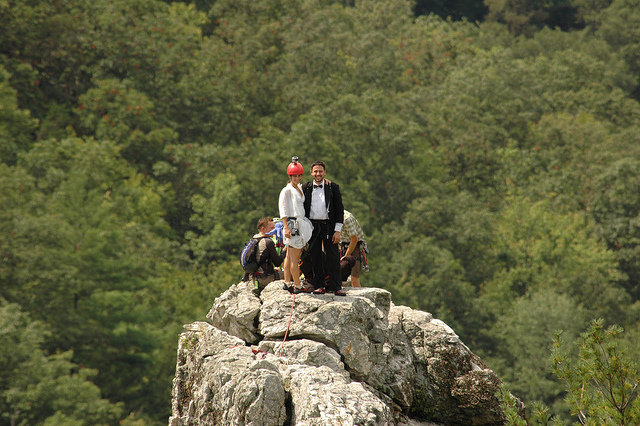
(339, 212)
(353, 241)
(337, 204)
(306, 190)
(272, 254)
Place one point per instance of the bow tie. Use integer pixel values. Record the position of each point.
(317, 186)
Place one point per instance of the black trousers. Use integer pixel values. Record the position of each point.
(346, 267)
(330, 268)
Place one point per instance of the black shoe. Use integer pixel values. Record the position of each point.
(301, 290)
(320, 290)
(339, 293)
(288, 288)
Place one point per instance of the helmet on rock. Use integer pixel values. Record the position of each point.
(294, 167)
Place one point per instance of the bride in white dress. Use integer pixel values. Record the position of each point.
(297, 228)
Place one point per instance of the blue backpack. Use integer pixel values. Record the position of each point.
(248, 255)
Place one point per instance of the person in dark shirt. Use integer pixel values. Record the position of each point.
(266, 255)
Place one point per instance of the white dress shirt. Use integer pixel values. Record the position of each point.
(318, 210)
(318, 204)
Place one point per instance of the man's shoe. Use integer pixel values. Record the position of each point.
(299, 290)
(339, 293)
(321, 290)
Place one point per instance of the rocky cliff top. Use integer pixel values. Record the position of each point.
(357, 359)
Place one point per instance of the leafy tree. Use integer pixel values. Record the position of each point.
(355, 135)
(542, 249)
(524, 339)
(430, 49)
(217, 235)
(460, 223)
(588, 12)
(194, 170)
(490, 103)
(46, 389)
(600, 63)
(473, 10)
(438, 260)
(18, 194)
(219, 100)
(82, 252)
(46, 46)
(615, 210)
(16, 126)
(115, 112)
(428, 262)
(524, 16)
(151, 43)
(250, 39)
(603, 382)
(295, 73)
(493, 173)
(538, 414)
(614, 25)
(560, 159)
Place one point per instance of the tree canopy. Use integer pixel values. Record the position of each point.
(490, 150)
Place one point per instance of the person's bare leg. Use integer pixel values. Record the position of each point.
(287, 268)
(355, 281)
(293, 265)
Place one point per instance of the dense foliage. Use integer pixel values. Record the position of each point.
(491, 152)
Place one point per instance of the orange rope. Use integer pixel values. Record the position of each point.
(288, 324)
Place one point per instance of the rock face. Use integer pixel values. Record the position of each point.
(348, 360)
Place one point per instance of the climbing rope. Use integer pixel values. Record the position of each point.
(293, 301)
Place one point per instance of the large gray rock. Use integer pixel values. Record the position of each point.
(357, 359)
(236, 310)
(306, 352)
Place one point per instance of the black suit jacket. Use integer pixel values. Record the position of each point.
(333, 199)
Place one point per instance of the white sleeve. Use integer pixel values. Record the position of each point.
(284, 203)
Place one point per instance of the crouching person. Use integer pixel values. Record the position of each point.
(353, 249)
(267, 256)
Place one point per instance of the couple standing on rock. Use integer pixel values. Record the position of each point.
(312, 214)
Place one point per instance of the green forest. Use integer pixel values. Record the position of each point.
(490, 151)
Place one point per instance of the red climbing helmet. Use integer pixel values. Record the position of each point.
(294, 167)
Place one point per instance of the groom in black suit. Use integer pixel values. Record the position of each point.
(323, 206)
